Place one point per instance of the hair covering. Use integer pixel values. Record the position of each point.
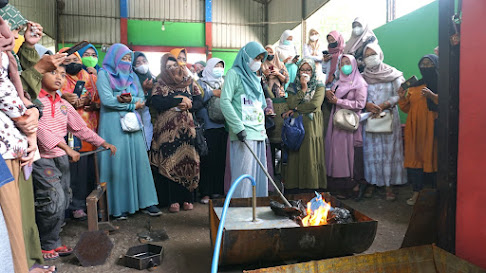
(336, 51)
(203, 63)
(175, 79)
(432, 81)
(64, 49)
(351, 81)
(82, 75)
(317, 46)
(381, 73)
(119, 80)
(177, 51)
(141, 77)
(208, 76)
(249, 79)
(42, 50)
(355, 42)
(82, 50)
(7, 43)
(285, 51)
(277, 64)
(12, 16)
(312, 84)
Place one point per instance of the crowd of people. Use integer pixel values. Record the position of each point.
(189, 132)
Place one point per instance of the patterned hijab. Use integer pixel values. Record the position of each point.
(83, 75)
(7, 43)
(12, 16)
(381, 73)
(176, 78)
(351, 81)
(120, 72)
(312, 84)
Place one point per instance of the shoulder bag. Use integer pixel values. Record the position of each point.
(381, 124)
(345, 119)
(130, 122)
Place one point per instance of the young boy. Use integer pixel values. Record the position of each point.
(51, 172)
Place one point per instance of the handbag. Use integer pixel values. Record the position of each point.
(345, 119)
(214, 110)
(201, 144)
(380, 124)
(293, 132)
(130, 122)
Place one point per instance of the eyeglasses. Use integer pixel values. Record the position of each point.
(306, 70)
(90, 55)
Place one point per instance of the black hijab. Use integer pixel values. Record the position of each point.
(141, 77)
(430, 77)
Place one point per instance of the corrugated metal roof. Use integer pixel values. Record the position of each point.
(168, 10)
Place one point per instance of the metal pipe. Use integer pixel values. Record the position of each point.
(93, 152)
(268, 175)
(254, 202)
(217, 245)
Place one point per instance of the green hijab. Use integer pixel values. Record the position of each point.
(313, 82)
(13, 16)
(249, 79)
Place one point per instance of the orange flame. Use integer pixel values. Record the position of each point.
(317, 217)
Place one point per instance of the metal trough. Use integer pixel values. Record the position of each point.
(279, 239)
(421, 259)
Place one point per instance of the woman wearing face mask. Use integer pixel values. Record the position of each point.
(344, 149)
(306, 169)
(287, 53)
(176, 97)
(383, 152)
(130, 182)
(313, 49)
(141, 68)
(88, 106)
(360, 37)
(242, 103)
(420, 102)
(89, 57)
(212, 165)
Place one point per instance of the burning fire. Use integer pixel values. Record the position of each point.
(316, 217)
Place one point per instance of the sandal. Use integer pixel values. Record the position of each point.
(187, 206)
(64, 250)
(39, 268)
(175, 207)
(49, 255)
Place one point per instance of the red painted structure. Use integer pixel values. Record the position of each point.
(471, 175)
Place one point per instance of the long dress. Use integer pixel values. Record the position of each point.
(383, 152)
(420, 143)
(130, 182)
(306, 167)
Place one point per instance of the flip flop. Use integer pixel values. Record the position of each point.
(64, 250)
(53, 252)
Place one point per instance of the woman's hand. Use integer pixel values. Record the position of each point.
(147, 85)
(329, 94)
(217, 93)
(327, 57)
(70, 97)
(333, 99)
(124, 99)
(139, 105)
(287, 60)
(373, 108)
(30, 121)
(32, 147)
(287, 114)
(186, 103)
(33, 34)
(112, 147)
(267, 72)
(427, 93)
(92, 70)
(401, 92)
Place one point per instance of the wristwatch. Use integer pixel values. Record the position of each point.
(38, 108)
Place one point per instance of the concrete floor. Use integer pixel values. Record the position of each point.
(189, 249)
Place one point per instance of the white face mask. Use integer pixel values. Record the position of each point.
(218, 72)
(142, 69)
(314, 37)
(372, 61)
(358, 31)
(254, 65)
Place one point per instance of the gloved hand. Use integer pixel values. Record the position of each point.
(241, 135)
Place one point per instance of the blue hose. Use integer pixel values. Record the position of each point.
(217, 245)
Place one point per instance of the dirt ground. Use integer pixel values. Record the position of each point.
(188, 248)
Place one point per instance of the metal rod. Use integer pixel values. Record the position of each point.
(254, 203)
(286, 202)
(94, 152)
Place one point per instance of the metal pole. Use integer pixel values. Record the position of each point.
(254, 203)
(268, 175)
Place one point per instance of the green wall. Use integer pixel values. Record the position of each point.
(227, 55)
(101, 55)
(405, 40)
(149, 33)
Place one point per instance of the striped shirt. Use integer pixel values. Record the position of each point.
(59, 118)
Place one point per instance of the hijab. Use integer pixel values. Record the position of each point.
(312, 84)
(314, 48)
(349, 82)
(12, 16)
(83, 75)
(175, 79)
(121, 74)
(7, 43)
(355, 42)
(285, 51)
(336, 51)
(431, 80)
(82, 50)
(381, 73)
(42, 50)
(208, 76)
(249, 79)
(141, 77)
(177, 51)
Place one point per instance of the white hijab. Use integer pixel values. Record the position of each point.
(355, 42)
(284, 51)
(208, 76)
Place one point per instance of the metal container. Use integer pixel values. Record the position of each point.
(274, 244)
(144, 256)
(421, 259)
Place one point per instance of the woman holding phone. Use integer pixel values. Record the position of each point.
(130, 182)
(176, 97)
(287, 53)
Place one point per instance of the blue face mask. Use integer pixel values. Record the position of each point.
(287, 42)
(218, 72)
(347, 69)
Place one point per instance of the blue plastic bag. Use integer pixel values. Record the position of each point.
(293, 133)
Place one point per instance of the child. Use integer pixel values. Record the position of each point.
(51, 172)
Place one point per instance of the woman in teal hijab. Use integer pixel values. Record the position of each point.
(242, 104)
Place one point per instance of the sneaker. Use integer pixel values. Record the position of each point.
(123, 216)
(204, 200)
(152, 211)
(80, 215)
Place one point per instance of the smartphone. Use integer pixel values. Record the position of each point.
(125, 94)
(296, 57)
(178, 100)
(76, 47)
(78, 88)
(271, 67)
(411, 81)
(325, 52)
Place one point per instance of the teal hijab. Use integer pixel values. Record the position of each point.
(249, 79)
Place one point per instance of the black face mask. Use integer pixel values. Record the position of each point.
(333, 45)
(73, 68)
(270, 57)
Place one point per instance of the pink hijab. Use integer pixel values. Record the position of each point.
(7, 43)
(349, 82)
(337, 51)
